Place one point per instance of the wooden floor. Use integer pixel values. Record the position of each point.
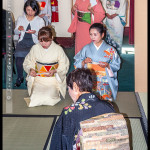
(27, 128)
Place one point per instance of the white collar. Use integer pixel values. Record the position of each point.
(97, 47)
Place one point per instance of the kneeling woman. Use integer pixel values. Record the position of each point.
(46, 65)
(104, 62)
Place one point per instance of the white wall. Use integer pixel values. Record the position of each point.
(61, 27)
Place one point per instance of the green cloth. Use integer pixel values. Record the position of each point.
(84, 17)
(87, 17)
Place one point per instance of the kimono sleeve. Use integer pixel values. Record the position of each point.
(63, 64)
(122, 12)
(62, 138)
(99, 12)
(104, 5)
(79, 57)
(29, 61)
(115, 61)
(122, 9)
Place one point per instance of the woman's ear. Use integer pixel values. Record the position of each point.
(75, 87)
(102, 35)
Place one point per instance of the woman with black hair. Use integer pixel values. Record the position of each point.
(85, 105)
(104, 62)
(27, 27)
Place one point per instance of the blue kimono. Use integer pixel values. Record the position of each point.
(105, 53)
(68, 125)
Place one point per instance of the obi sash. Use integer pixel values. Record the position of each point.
(97, 69)
(84, 16)
(109, 129)
(100, 83)
(42, 68)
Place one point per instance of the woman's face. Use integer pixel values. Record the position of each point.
(45, 44)
(95, 36)
(30, 11)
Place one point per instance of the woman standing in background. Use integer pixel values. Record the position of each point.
(85, 13)
(27, 27)
(115, 21)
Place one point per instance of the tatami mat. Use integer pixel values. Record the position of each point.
(24, 131)
(21, 133)
(138, 138)
(19, 105)
(125, 104)
(144, 98)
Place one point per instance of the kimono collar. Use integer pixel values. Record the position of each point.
(97, 47)
(85, 96)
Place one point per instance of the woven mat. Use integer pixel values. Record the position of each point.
(125, 104)
(25, 133)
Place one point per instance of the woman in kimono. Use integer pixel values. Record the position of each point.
(86, 12)
(85, 105)
(45, 10)
(27, 27)
(115, 21)
(46, 66)
(104, 62)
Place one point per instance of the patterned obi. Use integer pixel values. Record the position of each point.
(84, 16)
(107, 131)
(100, 82)
(95, 68)
(42, 68)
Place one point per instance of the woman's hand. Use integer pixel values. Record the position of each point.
(20, 28)
(50, 73)
(31, 31)
(90, 9)
(87, 60)
(104, 65)
(32, 73)
(73, 9)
